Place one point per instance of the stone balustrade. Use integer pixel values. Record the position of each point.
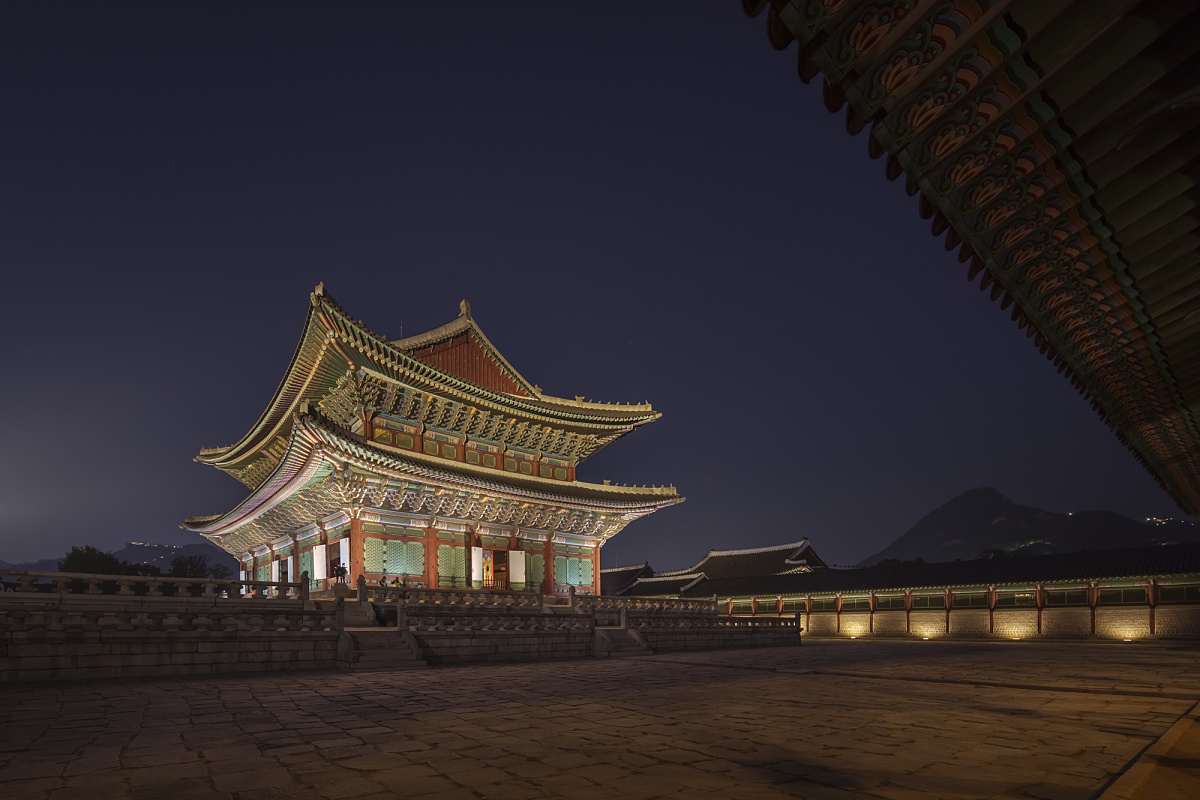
(71, 583)
(422, 621)
(416, 599)
(647, 605)
(654, 622)
(53, 618)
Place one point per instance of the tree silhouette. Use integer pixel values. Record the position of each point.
(189, 567)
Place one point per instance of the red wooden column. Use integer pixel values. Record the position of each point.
(596, 571)
(908, 612)
(1152, 599)
(548, 557)
(431, 545)
(1093, 599)
(1040, 596)
(357, 551)
(991, 595)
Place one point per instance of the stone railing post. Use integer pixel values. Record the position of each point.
(340, 614)
(572, 596)
(361, 585)
(304, 587)
(401, 613)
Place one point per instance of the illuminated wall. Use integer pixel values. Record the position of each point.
(822, 624)
(1016, 623)
(1128, 622)
(929, 624)
(856, 623)
(1176, 621)
(1066, 623)
(890, 623)
(969, 622)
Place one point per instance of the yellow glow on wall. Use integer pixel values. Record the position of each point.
(856, 625)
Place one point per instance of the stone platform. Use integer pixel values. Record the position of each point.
(831, 719)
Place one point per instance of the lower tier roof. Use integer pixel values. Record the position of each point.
(326, 469)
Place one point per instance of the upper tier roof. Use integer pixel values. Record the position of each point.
(452, 372)
(1054, 143)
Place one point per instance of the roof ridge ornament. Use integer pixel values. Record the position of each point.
(464, 308)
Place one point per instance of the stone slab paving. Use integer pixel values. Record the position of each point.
(830, 719)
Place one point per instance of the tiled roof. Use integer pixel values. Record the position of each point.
(667, 586)
(612, 581)
(1142, 562)
(752, 562)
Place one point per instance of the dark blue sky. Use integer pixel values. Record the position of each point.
(640, 203)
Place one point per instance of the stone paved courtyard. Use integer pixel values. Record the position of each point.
(830, 719)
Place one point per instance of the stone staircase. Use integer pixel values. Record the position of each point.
(378, 650)
(357, 615)
(619, 643)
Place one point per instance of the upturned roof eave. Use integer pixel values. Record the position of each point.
(274, 420)
(314, 442)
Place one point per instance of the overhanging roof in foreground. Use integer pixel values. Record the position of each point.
(1054, 144)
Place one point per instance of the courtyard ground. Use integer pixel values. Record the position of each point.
(829, 719)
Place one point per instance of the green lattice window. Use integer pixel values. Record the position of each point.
(560, 569)
(1016, 599)
(373, 556)
(430, 448)
(535, 570)
(306, 565)
(452, 565)
(585, 572)
(824, 604)
(472, 456)
(263, 573)
(1179, 594)
(1067, 597)
(489, 460)
(889, 601)
(929, 601)
(972, 600)
(449, 451)
(405, 558)
(1112, 597)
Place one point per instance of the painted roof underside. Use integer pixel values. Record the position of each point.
(1054, 144)
(306, 485)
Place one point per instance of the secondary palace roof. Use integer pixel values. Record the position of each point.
(1142, 562)
(1054, 144)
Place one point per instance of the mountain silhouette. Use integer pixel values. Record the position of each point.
(984, 520)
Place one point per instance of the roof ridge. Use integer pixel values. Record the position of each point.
(631, 566)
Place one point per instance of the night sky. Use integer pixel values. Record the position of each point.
(640, 200)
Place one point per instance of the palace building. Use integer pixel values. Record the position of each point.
(429, 459)
(1138, 593)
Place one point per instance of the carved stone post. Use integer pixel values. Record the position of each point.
(361, 585)
(340, 614)
(304, 586)
(401, 613)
